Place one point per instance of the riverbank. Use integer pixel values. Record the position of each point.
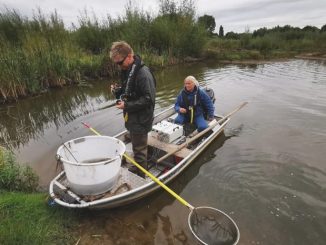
(245, 57)
(312, 56)
(272, 59)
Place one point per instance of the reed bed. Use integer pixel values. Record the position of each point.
(41, 53)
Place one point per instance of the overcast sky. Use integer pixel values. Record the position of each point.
(233, 15)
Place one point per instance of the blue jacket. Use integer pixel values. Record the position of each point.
(204, 102)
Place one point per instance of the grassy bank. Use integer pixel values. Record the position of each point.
(27, 219)
(25, 216)
(262, 44)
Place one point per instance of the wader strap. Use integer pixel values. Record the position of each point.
(190, 108)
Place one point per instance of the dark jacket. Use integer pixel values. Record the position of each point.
(203, 103)
(139, 97)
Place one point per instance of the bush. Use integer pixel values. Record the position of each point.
(222, 44)
(14, 177)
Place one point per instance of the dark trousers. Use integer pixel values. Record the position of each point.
(199, 121)
(139, 148)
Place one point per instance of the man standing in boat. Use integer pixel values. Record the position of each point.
(136, 97)
(194, 105)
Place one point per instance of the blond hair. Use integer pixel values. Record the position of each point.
(192, 79)
(120, 48)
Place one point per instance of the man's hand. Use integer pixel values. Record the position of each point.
(120, 104)
(113, 87)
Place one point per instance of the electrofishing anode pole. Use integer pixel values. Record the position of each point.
(160, 183)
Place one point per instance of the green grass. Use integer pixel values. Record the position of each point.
(25, 216)
(27, 219)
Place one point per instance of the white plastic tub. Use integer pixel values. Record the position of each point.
(92, 163)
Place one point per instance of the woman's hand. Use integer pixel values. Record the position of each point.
(182, 110)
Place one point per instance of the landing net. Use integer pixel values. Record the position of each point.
(212, 226)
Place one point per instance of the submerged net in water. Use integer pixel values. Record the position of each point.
(212, 226)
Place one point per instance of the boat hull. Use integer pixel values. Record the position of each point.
(137, 187)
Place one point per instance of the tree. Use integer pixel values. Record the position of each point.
(168, 7)
(310, 29)
(208, 22)
(232, 35)
(260, 32)
(173, 8)
(323, 28)
(221, 32)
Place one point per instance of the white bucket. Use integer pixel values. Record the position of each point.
(92, 163)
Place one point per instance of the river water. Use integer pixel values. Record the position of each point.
(267, 171)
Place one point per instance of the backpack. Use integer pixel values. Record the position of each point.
(210, 93)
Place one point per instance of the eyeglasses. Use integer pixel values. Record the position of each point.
(121, 61)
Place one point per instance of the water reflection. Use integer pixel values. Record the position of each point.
(29, 119)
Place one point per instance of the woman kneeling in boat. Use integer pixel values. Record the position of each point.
(192, 104)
